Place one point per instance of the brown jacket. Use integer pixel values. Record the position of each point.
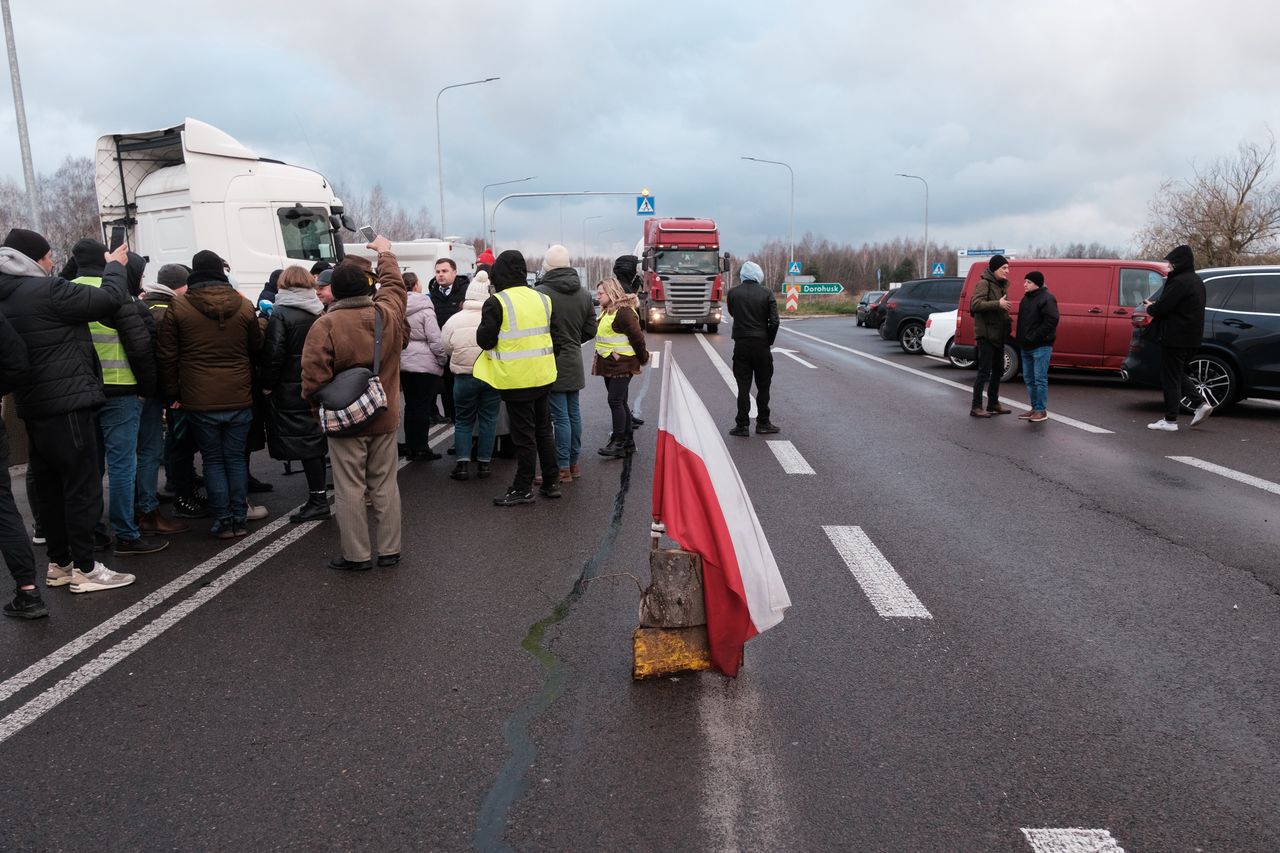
(628, 323)
(990, 320)
(205, 347)
(342, 338)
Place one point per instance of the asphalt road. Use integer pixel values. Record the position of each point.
(1099, 651)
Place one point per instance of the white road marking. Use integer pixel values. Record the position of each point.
(1072, 841)
(726, 373)
(791, 354)
(936, 358)
(1231, 474)
(1013, 404)
(885, 588)
(789, 458)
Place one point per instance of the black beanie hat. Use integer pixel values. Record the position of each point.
(28, 243)
(1182, 258)
(207, 266)
(349, 280)
(509, 270)
(1036, 277)
(996, 262)
(320, 266)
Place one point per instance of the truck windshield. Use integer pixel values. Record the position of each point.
(675, 262)
(306, 234)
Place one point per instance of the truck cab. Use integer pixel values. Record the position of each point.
(682, 273)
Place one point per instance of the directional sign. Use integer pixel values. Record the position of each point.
(938, 269)
(823, 287)
(800, 279)
(644, 205)
(794, 269)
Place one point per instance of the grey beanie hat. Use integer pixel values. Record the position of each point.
(173, 275)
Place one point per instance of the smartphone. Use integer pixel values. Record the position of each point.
(367, 233)
(118, 235)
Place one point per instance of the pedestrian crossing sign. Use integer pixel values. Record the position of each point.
(794, 268)
(644, 205)
(938, 270)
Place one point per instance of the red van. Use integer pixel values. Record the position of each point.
(1096, 301)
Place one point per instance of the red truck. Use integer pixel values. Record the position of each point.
(682, 269)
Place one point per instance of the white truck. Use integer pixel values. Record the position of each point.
(182, 189)
(420, 256)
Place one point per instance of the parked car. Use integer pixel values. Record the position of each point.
(875, 312)
(939, 335)
(910, 306)
(1240, 354)
(864, 304)
(1096, 303)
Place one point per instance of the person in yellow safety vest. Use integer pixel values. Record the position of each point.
(519, 360)
(126, 354)
(620, 354)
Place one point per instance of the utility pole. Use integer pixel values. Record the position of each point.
(20, 112)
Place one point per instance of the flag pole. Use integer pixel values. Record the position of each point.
(657, 528)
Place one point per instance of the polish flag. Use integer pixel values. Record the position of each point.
(699, 496)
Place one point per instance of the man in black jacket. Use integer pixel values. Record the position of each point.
(1180, 314)
(61, 396)
(14, 545)
(447, 291)
(624, 270)
(1037, 330)
(754, 309)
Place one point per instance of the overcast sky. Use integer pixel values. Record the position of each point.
(1034, 122)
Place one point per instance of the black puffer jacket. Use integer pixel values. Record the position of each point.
(132, 323)
(1180, 308)
(292, 430)
(52, 316)
(13, 359)
(754, 310)
(1037, 319)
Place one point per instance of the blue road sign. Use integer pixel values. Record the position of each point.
(794, 269)
(644, 205)
(938, 269)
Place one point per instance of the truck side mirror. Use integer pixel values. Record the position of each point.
(349, 223)
(724, 262)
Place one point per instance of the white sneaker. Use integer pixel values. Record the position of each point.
(1201, 413)
(100, 578)
(57, 575)
(256, 513)
(1163, 426)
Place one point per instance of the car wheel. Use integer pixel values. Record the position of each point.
(713, 328)
(1011, 364)
(1216, 380)
(962, 363)
(910, 338)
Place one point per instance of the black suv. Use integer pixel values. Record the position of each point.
(910, 306)
(1240, 354)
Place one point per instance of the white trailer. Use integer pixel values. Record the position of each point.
(420, 256)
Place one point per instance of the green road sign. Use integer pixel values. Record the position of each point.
(822, 287)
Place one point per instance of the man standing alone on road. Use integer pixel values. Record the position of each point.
(1180, 313)
(754, 309)
(989, 306)
(1037, 329)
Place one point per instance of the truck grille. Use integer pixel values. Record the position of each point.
(688, 298)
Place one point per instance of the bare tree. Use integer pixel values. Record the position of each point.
(68, 206)
(392, 220)
(1228, 212)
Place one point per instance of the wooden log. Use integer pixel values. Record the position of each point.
(658, 652)
(674, 597)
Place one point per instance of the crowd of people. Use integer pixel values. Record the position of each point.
(118, 374)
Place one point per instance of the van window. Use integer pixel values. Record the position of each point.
(306, 232)
(1241, 298)
(1266, 294)
(1137, 286)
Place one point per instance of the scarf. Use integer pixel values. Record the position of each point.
(304, 299)
(159, 289)
(350, 302)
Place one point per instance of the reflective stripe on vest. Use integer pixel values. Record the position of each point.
(608, 341)
(524, 356)
(106, 341)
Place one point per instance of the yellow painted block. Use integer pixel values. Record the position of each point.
(666, 651)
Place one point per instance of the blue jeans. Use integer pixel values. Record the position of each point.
(118, 420)
(475, 413)
(566, 417)
(221, 437)
(1035, 372)
(150, 454)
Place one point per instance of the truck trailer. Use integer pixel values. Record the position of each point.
(682, 273)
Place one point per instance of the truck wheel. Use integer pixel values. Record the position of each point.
(713, 328)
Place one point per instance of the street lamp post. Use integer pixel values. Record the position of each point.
(925, 272)
(439, 157)
(484, 210)
(791, 241)
(20, 113)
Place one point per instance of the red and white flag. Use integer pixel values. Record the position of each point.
(699, 496)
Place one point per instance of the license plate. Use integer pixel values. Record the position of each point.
(688, 322)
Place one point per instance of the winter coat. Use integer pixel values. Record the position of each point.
(624, 270)
(424, 352)
(990, 320)
(1037, 319)
(131, 323)
(459, 334)
(343, 337)
(1179, 311)
(447, 306)
(627, 322)
(754, 310)
(52, 316)
(13, 360)
(292, 430)
(573, 323)
(206, 345)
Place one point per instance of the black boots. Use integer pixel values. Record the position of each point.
(460, 472)
(618, 446)
(316, 508)
(482, 471)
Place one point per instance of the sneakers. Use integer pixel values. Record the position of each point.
(189, 508)
(100, 578)
(26, 604)
(57, 575)
(741, 432)
(1039, 416)
(256, 513)
(224, 529)
(512, 497)
(1027, 415)
(1163, 426)
(141, 545)
(1202, 412)
(767, 428)
(551, 490)
(37, 537)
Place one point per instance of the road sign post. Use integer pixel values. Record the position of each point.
(793, 296)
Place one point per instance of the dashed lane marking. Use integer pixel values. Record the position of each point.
(789, 458)
(883, 586)
(1072, 841)
(935, 358)
(1229, 473)
(1015, 404)
(725, 372)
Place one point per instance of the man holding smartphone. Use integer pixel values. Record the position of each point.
(1180, 313)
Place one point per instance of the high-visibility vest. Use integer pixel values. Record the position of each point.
(608, 341)
(106, 341)
(524, 356)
